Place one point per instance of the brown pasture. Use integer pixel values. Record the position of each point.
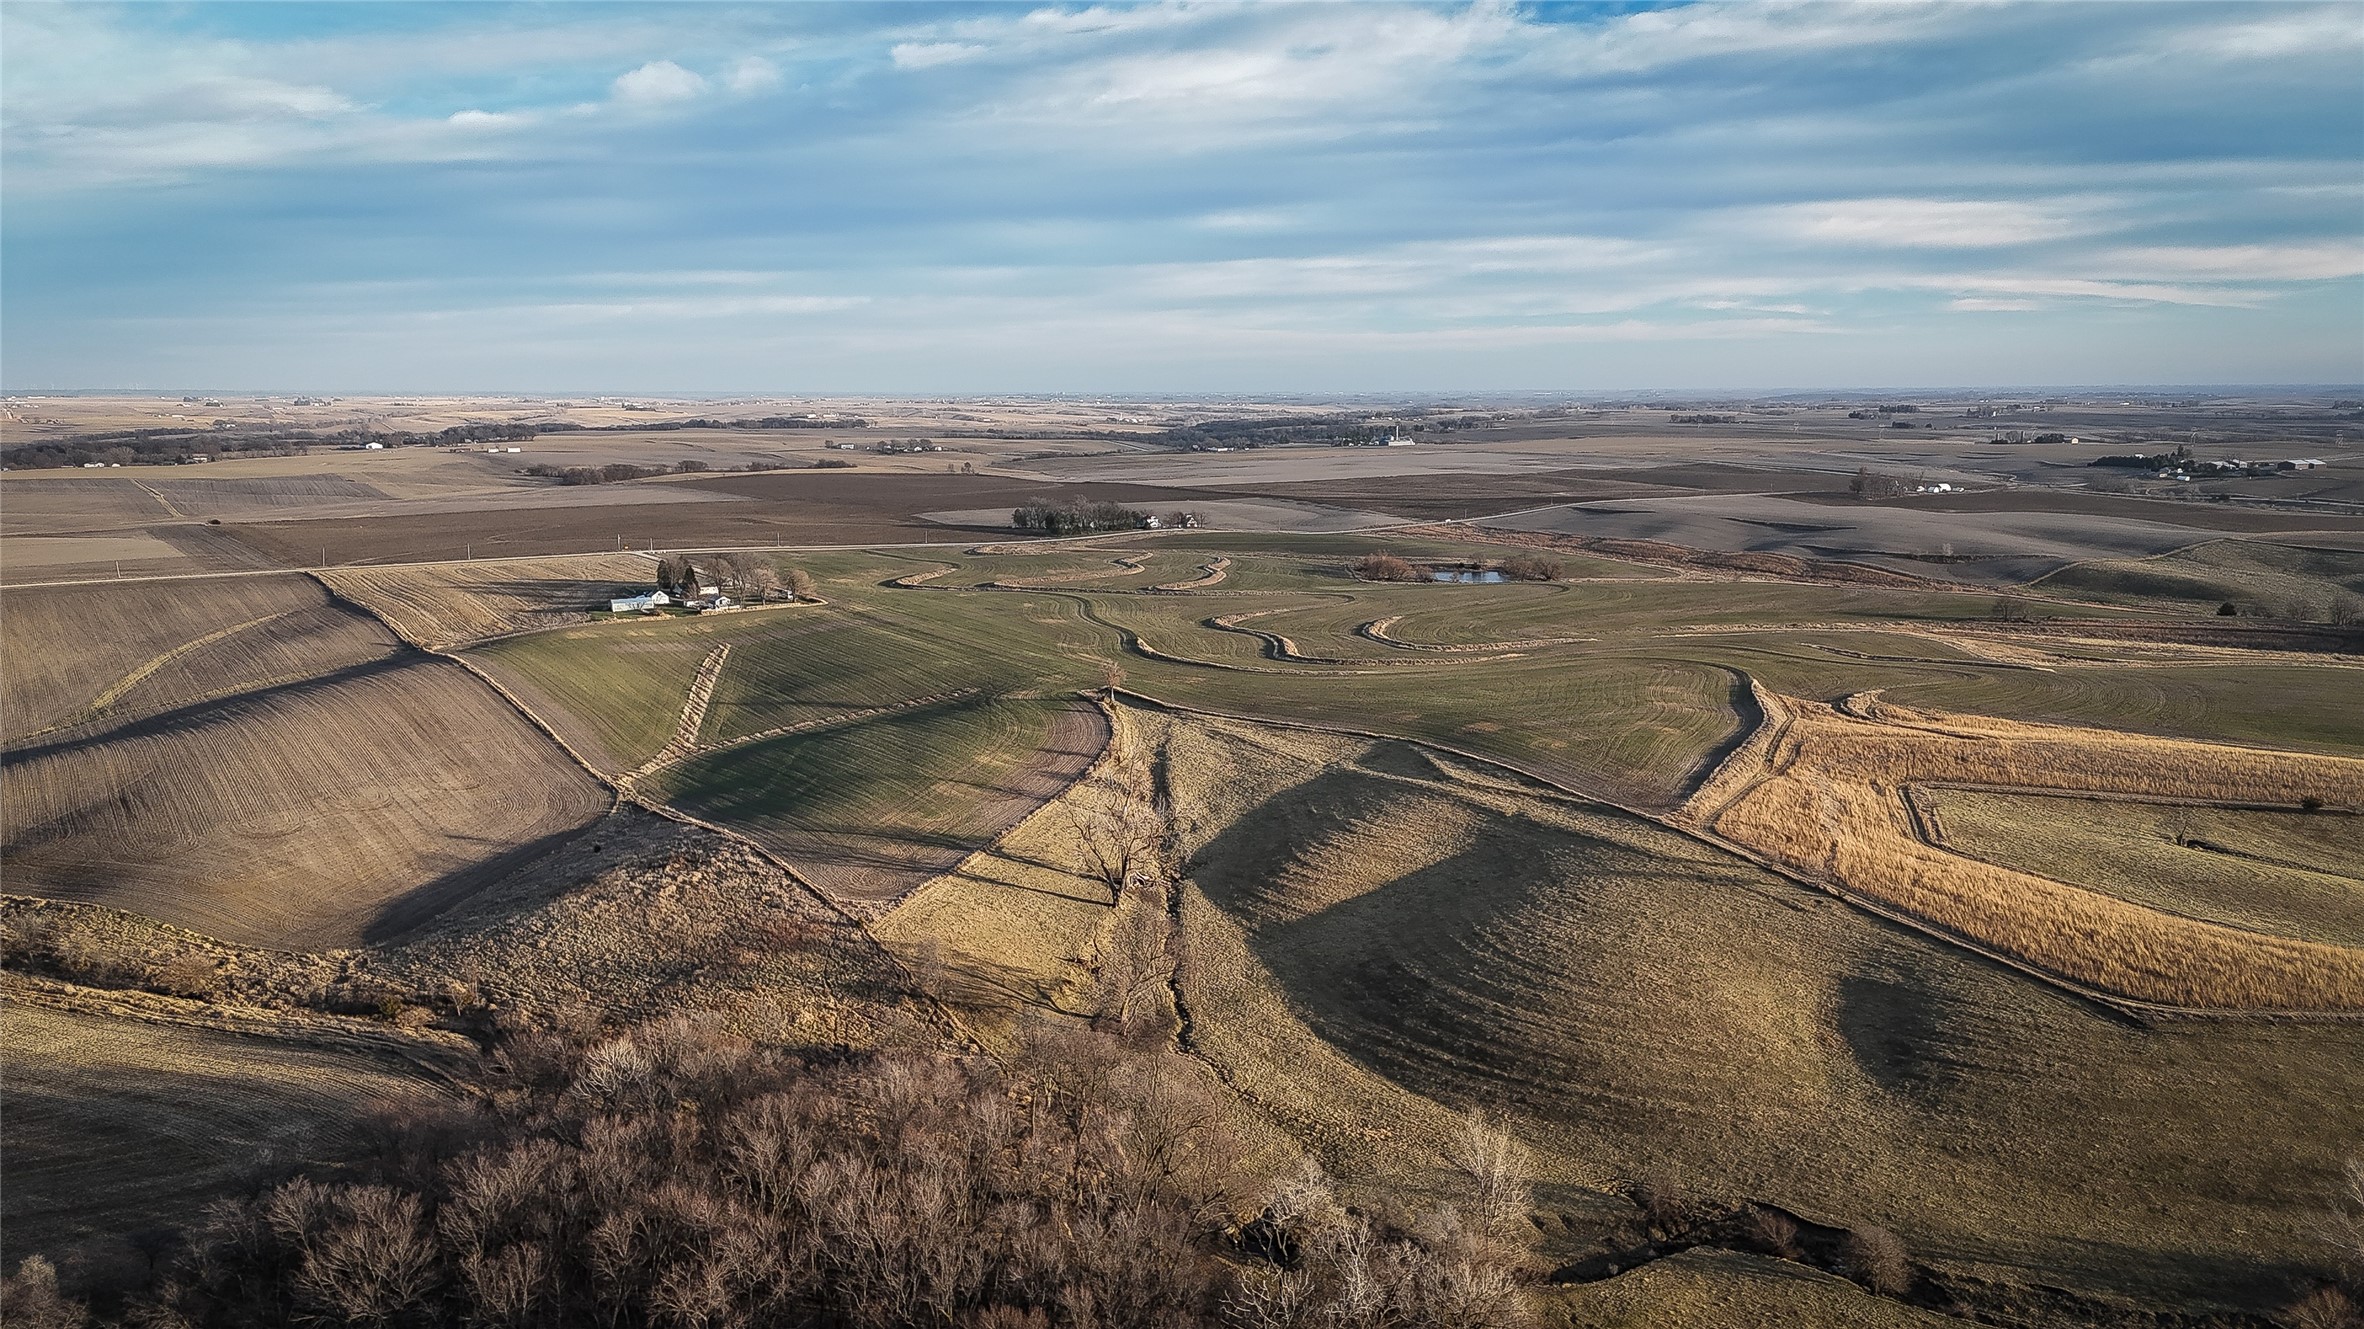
(80, 655)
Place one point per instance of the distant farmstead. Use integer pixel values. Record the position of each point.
(637, 604)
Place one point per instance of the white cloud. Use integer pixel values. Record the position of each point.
(657, 83)
(1918, 223)
(2336, 30)
(928, 55)
(1990, 305)
(2327, 261)
(488, 119)
(751, 74)
(1249, 219)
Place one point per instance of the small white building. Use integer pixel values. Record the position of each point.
(641, 603)
(373, 447)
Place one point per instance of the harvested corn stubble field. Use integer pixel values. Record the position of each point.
(441, 605)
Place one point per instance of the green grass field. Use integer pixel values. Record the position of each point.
(873, 808)
(2288, 873)
(1623, 687)
(2257, 578)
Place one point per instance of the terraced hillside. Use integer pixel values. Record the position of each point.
(248, 758)
(1380, 935)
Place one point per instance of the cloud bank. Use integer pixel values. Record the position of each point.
(1180, 197)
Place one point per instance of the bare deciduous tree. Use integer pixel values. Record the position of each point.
(1497, 1172)
(2347, 1219)
(1120, 828)
(1135, 959)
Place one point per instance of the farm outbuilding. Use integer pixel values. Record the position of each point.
(634, 604)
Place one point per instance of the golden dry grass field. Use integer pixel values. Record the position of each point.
(1825, 793)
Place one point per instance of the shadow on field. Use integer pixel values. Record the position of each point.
(215, 710)
(421, 904)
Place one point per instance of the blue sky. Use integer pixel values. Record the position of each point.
(1178, 198)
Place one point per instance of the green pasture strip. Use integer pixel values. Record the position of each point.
(2251, 575)
(911, 783)
(2307, 707)
(2293, 874)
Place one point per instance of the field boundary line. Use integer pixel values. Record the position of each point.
(942, 1010)
(158, 494)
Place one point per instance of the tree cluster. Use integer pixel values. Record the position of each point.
(752, 576)
(700, 422)
(1388, 567)
(1076, 517)
(2145, 461)
(675, 1175)
(1868, 483)
(595, 475)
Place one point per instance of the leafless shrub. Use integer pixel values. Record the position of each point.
(1135, 959)
(2323, 1308)
(1772, 1233)
(1496, 1171)
(29, 1299)
(2345, 1231)
(1531, 567)
(194, 976)
(1665, 1206)
(1386, 567)
(1877, 1259)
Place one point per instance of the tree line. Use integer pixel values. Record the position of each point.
(162, 447)
(1076, 517)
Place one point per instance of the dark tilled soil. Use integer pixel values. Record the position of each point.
(2199, 516)
(771, 508)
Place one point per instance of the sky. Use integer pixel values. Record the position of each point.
(1177, 198)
